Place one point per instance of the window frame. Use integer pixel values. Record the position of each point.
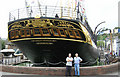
(12, 34)
(54, 32)
(63, 32)
(78, 33)
(29, 32)
(72, 36)
(45, 34)
(36, 34)
(21, 33)
(17, 35)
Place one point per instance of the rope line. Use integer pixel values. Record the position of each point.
(86, 63)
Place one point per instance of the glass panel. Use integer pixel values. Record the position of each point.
(55, 32)
(12, 34)
(45, 31)
(28, 32)
(71, 33)
(62, 32)
(37, 31)
(77, 34)
(22, 32)
(17, 33)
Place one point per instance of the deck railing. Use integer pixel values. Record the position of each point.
(43, 11)
(11, 60)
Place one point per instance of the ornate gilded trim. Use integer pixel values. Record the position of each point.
(48, 39)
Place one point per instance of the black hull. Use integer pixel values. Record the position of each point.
(48, 41)
(53, 51)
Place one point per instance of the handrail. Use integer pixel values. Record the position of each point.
(47, 11)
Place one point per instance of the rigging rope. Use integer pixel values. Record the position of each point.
(39, 8)
(55, 8)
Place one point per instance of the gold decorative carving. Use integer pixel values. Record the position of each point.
(43, 23)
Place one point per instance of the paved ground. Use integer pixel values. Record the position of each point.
(115, 73)
(7, 73)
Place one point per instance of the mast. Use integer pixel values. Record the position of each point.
(26, 5)
(39, 7)
(72, 8)
(29, 13)
(68, 8)
(78, 11)
(61, 8)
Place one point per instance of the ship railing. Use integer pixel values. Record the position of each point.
(43, 11)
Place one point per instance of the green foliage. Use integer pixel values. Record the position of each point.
(119, 37)
(102, 37)
(100, 43)
(2, 44)
(117, 28)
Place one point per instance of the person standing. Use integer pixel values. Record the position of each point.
(77, 61)
(107, 56)
(69, 60)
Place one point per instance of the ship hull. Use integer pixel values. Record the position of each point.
(48, 41)
(53, 51)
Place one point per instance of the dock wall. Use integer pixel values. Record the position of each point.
(60, 71)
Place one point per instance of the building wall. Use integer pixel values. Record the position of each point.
(118, 46)
(115, 44)
(0, 45)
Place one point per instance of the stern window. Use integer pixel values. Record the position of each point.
(71, 32)
(28, 32)
(12, 34)
(62, 32)
(37, 31)
(77, 34)
(17, 34)
(45, 31)
(22, 33)
(55, 32)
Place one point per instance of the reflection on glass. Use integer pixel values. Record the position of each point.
(37, 31)
(62, 32)
(71, 33)
(45, 31)
(12, 34)
(17, 33)
(55, 32)
(28, 32)
(22, 32)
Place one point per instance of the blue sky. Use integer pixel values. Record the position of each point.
(96, 11)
